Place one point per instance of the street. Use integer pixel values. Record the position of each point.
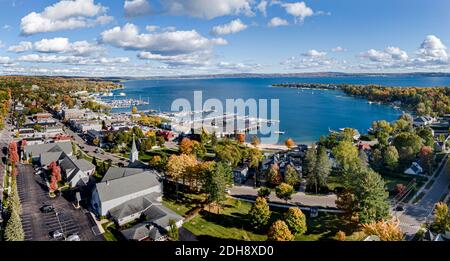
(415, 215)
(38, 226)
(300, 198)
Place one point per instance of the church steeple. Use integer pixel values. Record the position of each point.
(134, 154)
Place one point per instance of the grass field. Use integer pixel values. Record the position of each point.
(232, 223)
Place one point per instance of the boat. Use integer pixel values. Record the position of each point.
(279, 132)
(122, 94)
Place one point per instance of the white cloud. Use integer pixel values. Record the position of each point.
(5, 60)
(262, 7)
(2, 44)
(433, 50)
(7, 27)
(194, 59)
(390, 54)
(241, 67)
(21, 47)
(314, 53)
(55, 45)
(165, 43)
(151, 28)
(70, 59)
(64, 15)
(338, 49)
(135, 8)
(229, 28)
(298, 9)
(277, 21)
(208, 8)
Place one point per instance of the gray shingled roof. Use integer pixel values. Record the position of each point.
(127, 184)
(115, 173)
(134, 206)
(49, 157)
(38, 149)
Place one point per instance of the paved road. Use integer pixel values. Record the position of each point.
(37, 226)
(298, 198)
(415, 215)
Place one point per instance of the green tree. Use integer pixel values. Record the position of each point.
(371, 196)
(264, 192)
(321, 172)
(296, 221)
(390, 158)
(426, 134)
(279, 231)
(259, 214)
(346, 155)
(309, 164)
(173, 230)
(408, 145)
(216, 183)
(13, 229)
(291, 175)
(284, 191)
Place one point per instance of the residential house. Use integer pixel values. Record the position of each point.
(423, 121)
(415, 169)
(240, 174)
(76, 171)
(44, 154)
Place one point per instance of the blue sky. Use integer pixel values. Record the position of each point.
(178, 37)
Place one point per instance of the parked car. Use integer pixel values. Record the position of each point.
(47, 209)
(73, 237)
(57, 234)
(399, 208)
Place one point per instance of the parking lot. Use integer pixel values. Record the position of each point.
(39, 226)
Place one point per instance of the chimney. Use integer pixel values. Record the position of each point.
(107, 182)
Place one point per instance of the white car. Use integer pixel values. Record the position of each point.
(57, 234)
(73, 238)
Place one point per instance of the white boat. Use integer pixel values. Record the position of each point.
(279, 132)
(122, 94)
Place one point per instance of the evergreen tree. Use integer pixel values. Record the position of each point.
(13, 229)
(371, 197)
(173, 230)
(318, 178)
(310, 161)
(390, 158)
(259, 214)
(217, 182)
(296, 221)
(291, 176)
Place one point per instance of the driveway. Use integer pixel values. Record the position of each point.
(420, 213)
(300, 198)
(37, 226)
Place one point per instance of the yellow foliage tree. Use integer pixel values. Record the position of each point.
(289, 143)
(385, 230)
(279, 231)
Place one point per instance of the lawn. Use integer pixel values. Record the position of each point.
(186, 202)
(232, 224)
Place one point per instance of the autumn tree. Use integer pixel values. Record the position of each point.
(284, 191)
(186, 146)
(346, 201)
(53, 184)
(340, 235)
(259, 214)
(240, 137)
(134, 110)
(385, 230)
(13, 152)
(427, 158)
(178, 167)
(291, 175)
(296, 221)
(400, 189)
(279, 231)
(346, 155)
(289, 143)
(255, 141)
(273, 175)
(442, 217)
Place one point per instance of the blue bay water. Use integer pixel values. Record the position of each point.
(304, 115)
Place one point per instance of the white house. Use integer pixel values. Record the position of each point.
(76, 171)
(415, 169)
